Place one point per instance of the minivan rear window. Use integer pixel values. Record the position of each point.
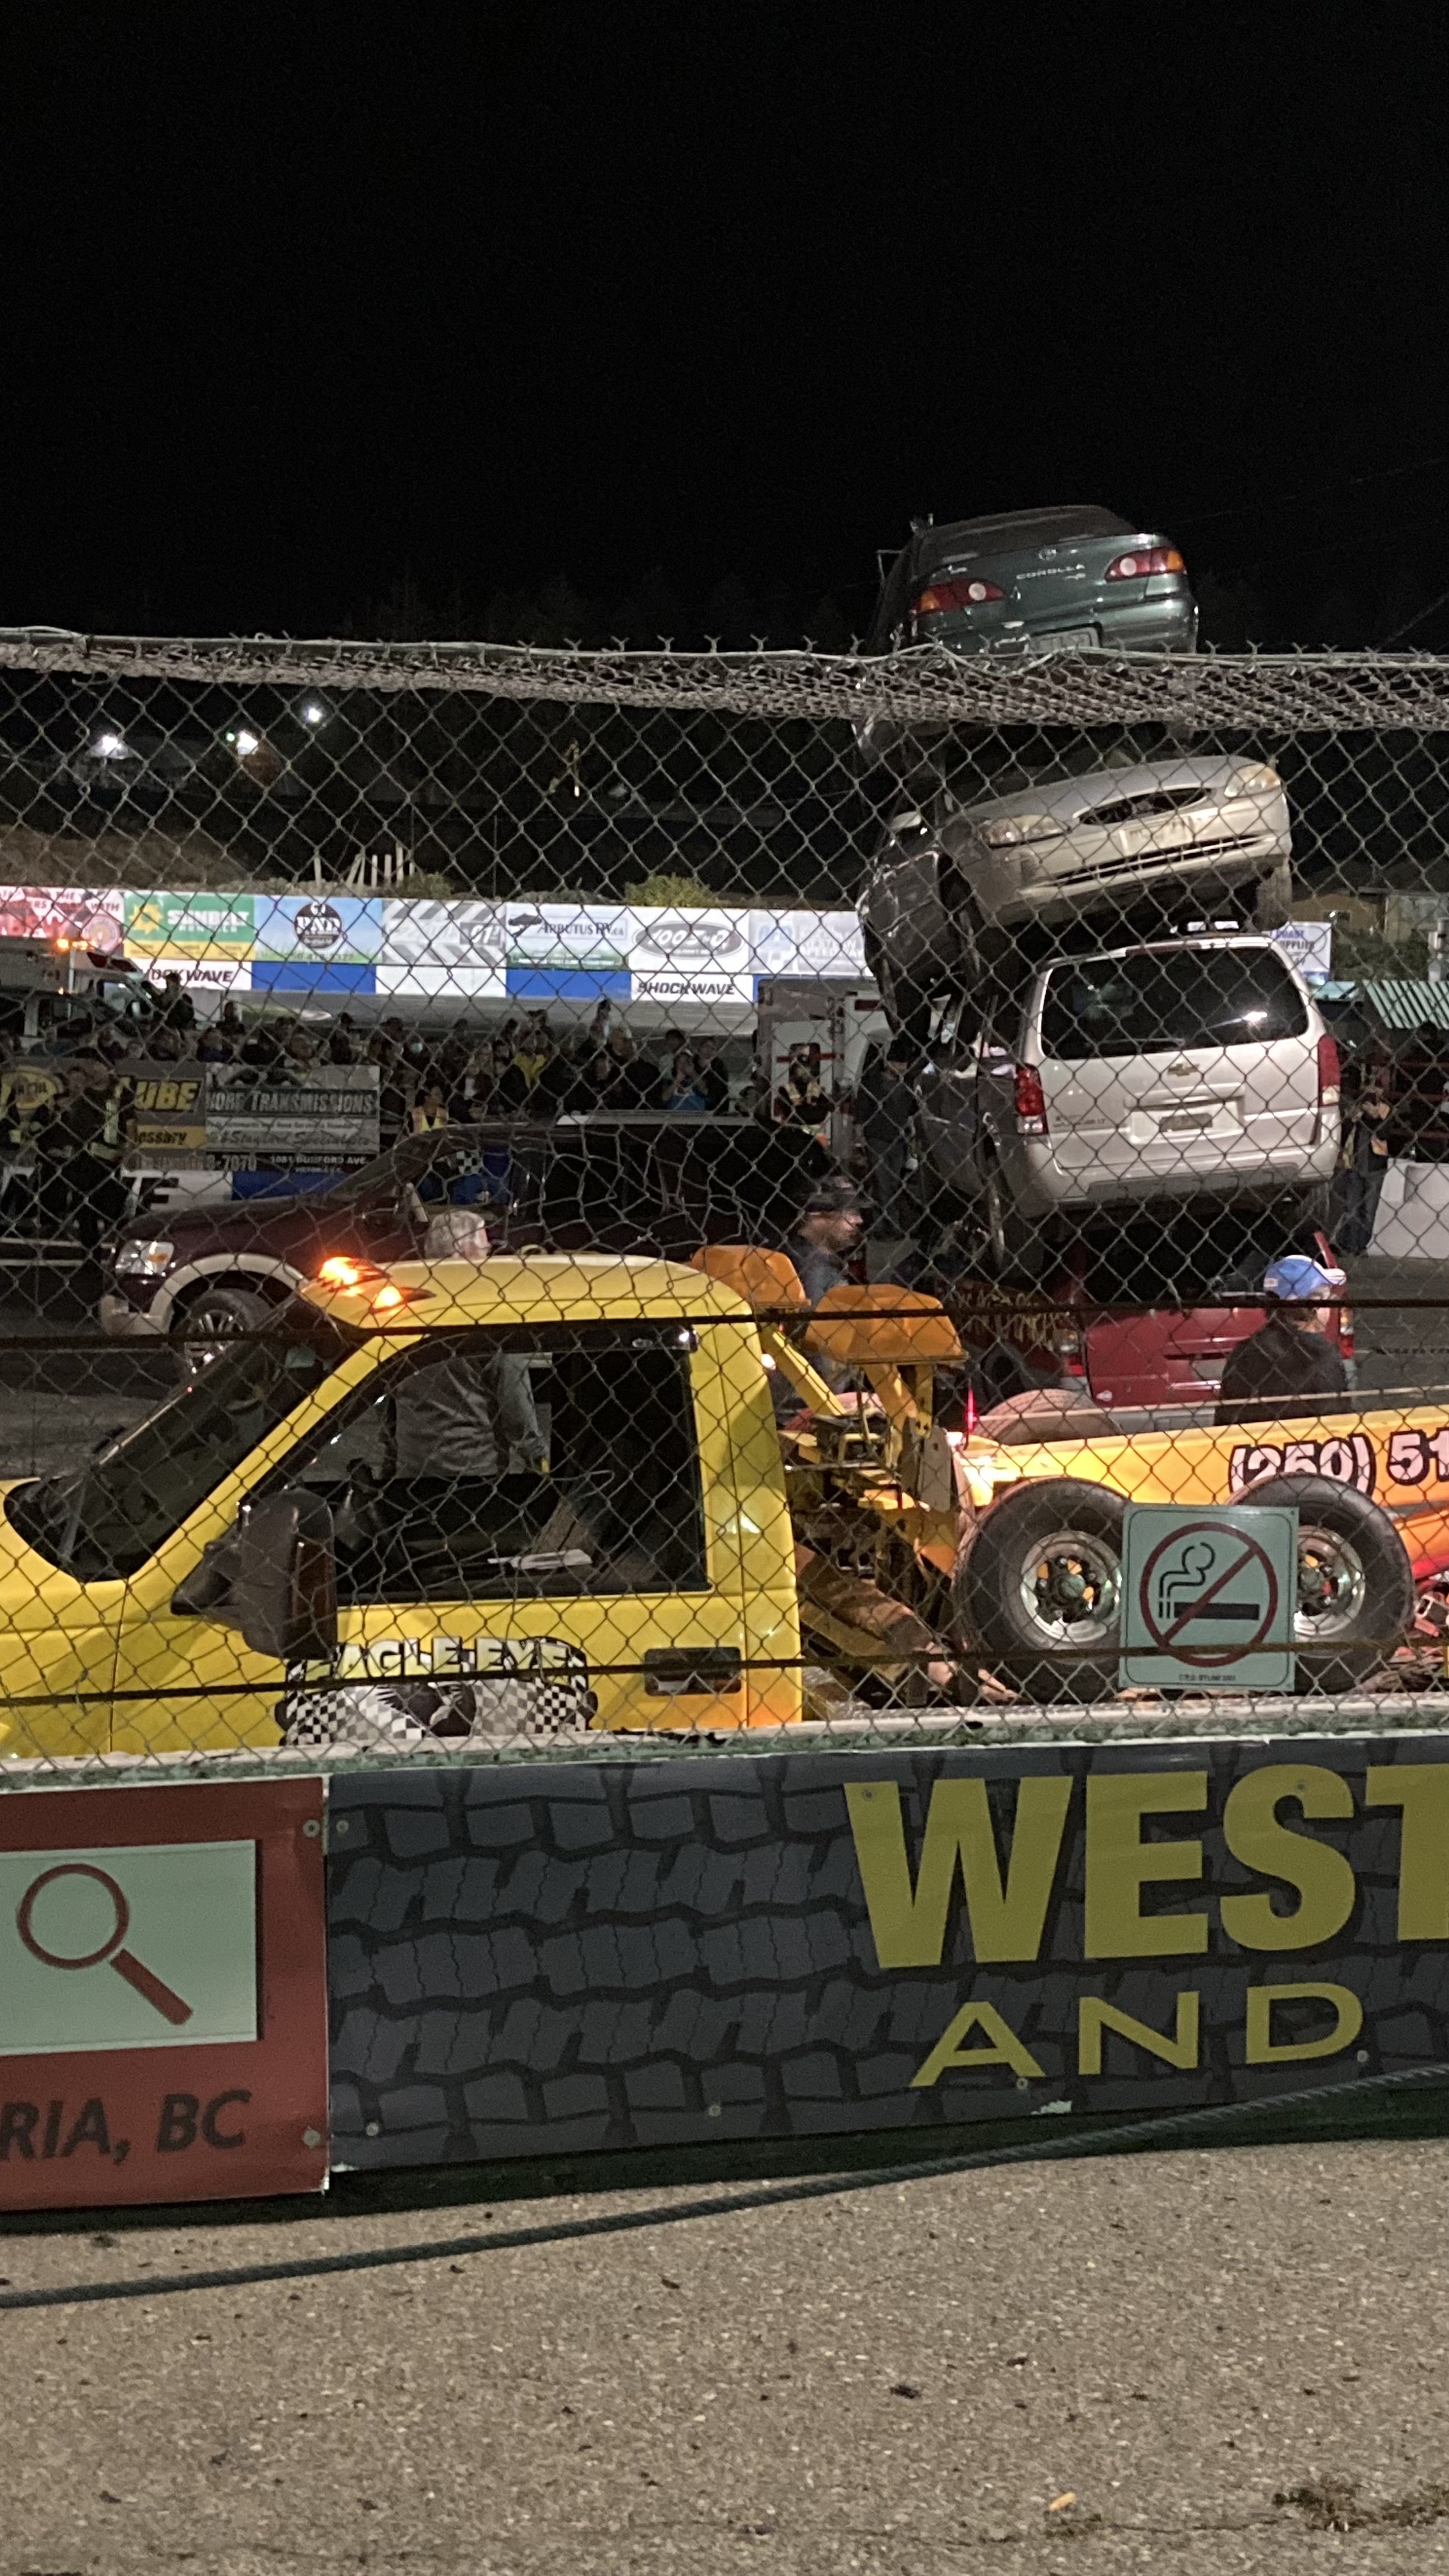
(1156, 1000)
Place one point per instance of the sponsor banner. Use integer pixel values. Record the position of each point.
(691, 956)
(310, 975)
(677, 1950)
(316, 1110)
(219, 926)
(565, 936)
(444, 940)
(162, 1995)
(166, 1111)
(807, 943)
(26, 1088)
(91, 915)
(442, 983)
(569, 984)
(220, 975)
(1308, 945)
(319, 929)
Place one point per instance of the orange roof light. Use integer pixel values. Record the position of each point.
(339, 1272)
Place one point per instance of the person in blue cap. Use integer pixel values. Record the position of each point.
(1288, 1367)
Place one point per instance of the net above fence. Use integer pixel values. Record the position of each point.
(549, 1195)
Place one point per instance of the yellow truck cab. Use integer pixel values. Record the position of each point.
(629, 1504)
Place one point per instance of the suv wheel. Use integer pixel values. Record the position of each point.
(217, 1315)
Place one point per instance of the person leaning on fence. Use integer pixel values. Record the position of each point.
(1365, 1163)
(886, 1115)
(1287, 1369)
(79, 1141)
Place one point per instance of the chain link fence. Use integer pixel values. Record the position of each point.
(557, 1198)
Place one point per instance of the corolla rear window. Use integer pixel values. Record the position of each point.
(1157, 1000)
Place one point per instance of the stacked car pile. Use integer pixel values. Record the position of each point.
(1079, 959)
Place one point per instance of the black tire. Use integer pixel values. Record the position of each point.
(216, 1315)
(1349, 1547)
(1016, 1246)
(1013, 1589)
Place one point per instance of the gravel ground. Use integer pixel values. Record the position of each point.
(1041, 2371)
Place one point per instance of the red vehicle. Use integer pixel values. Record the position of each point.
(1140, 1316)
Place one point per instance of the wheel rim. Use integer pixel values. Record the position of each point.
(1332, 1587)
(206, 1329)
(1070, 1588)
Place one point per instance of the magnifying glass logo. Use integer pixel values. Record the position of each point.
(112, 1950)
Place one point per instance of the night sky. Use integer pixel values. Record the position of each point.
(368, 316)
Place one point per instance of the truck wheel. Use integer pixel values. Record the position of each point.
(214, 1318)
(1355, 1582)
(1041, 1587)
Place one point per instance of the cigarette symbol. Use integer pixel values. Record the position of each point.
(112, 1950)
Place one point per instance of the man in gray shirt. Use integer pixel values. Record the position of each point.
(468, 1414)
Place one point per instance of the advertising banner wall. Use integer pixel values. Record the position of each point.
(475, 951)
(216, 927)
(163, 1999)
(316, 944)
(187, 1116)
(677, 1950)
(166, 1114)
(93, 915)
(316, 1112)
(827, 944)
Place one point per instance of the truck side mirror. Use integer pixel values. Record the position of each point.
(283, 1589)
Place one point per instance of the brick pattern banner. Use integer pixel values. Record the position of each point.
(675, 1951)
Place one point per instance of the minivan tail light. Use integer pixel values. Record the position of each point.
(1031, 1117)
(1328, 1073)
(1144, 560)
(956, 594)
(1345, 1332)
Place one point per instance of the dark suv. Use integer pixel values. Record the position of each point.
(636, 1184)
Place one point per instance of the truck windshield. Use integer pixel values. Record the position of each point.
(101, 1523)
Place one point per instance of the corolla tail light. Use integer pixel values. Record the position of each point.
(1143, 561)
(1329, 1073)
(1030, 1102)
(965, 592)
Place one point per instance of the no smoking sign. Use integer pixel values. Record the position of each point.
(1209, 1597)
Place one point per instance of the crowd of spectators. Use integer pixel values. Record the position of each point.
(431, 1077)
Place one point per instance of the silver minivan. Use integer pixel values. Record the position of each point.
(1177, 1069)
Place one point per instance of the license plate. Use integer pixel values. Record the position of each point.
(1066, 639)
(1164, 832)
(1185, 1122)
